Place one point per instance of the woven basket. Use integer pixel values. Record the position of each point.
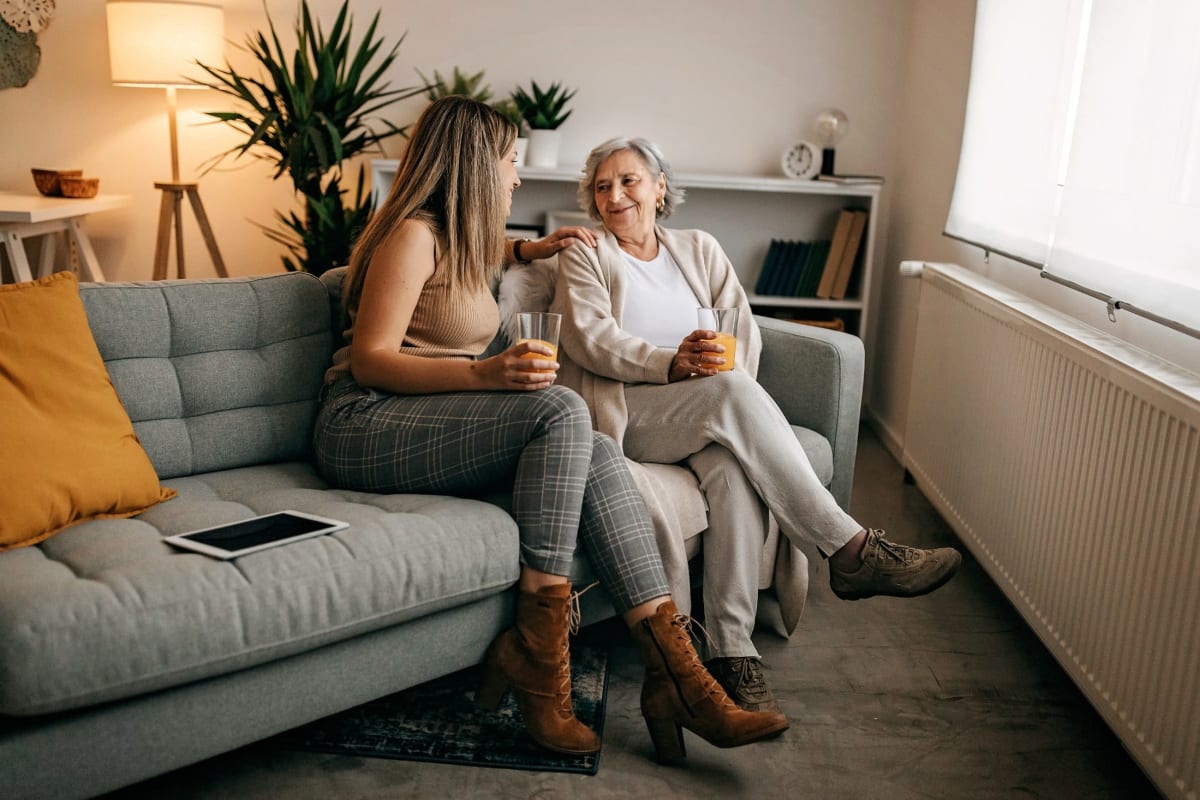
(74, 186)
(47, 180)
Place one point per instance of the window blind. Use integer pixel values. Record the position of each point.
(1081, 147)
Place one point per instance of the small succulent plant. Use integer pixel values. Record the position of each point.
(543, 110)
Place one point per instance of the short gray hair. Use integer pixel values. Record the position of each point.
(650, 154)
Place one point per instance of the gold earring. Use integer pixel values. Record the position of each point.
(659, 205)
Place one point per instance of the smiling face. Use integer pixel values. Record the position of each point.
(508, 177)
(626, 194)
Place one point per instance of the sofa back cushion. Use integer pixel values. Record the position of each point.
(215, 374)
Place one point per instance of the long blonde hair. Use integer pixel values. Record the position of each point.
(448, 177)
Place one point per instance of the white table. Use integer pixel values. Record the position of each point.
(26, 215)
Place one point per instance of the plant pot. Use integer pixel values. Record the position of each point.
(522, 146)
(543, 148)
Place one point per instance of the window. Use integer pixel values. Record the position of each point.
(1081, 149)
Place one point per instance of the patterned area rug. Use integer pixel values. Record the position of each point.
(439, 721)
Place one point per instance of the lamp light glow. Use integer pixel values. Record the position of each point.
(157, 45)
(831, 125)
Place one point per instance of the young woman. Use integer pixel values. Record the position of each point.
(409, 408)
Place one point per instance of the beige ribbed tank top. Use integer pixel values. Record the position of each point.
(444, 324)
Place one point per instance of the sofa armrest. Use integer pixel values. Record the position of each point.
(816, 377)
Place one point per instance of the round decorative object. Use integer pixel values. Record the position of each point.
(802, 160)
(27, 16)
(19, 56)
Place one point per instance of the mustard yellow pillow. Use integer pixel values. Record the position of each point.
(68, 452)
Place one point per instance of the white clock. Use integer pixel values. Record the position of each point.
(802, 160)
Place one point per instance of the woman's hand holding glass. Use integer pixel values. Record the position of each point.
(531, 363)
(526, 366)
(709, 349)
(699, 356)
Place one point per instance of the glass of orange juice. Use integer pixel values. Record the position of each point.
(724, 321)
(540, 327)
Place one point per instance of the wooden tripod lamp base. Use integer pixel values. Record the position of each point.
(171, 215)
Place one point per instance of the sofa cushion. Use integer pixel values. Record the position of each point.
(216, 374)
(69, 450)
(106, 610)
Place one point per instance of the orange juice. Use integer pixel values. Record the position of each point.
(540, 355)
(730, 343)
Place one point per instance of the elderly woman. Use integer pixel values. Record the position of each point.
(629, 346)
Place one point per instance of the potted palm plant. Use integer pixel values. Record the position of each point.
(543, 112)
(308, 112)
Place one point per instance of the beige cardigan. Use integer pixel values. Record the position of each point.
(598, 358)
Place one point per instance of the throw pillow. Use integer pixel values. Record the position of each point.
(68, 452)
(524, 287)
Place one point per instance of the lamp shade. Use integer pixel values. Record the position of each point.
(159, 43)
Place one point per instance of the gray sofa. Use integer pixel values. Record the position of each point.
(122, 658)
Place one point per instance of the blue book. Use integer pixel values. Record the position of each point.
(766, 274)
(791, 266)
(814, 267)
(799, 265)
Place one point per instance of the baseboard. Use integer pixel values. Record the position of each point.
(891, 440)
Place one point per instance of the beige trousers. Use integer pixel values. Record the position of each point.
(748, 462)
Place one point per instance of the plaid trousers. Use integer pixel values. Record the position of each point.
(569, 483)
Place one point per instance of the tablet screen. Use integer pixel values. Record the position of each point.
(256, 533)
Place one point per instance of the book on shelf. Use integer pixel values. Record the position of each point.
(850, 180)
(780, 266)
(795, 269)
(814, 264)
(767, 270)
(779, 273)
(833, 261)
(835, 324)
(850, 256)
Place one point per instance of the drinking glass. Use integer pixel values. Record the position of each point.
(724, 322)
(541, 327)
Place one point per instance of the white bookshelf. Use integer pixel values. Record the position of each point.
(743, 212)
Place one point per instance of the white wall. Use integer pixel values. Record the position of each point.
(722, 88)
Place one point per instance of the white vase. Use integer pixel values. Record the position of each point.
(543, 148)
(522, 146)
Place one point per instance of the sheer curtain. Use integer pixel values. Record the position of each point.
(1081, 151)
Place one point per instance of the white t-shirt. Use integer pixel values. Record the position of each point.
(660, 306)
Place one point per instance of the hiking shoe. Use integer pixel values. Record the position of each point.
(742, 679)
(894, 569)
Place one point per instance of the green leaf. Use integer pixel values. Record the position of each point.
(306, 111)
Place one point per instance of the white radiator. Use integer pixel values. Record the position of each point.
(1069, 464)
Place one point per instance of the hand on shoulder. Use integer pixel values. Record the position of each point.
(559, 240)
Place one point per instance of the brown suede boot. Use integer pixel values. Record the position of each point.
(678, 692)
(532, 659)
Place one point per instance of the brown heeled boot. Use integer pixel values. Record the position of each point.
(532, 658)
(679, 692)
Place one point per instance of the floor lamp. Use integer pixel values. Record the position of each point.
(157, 44)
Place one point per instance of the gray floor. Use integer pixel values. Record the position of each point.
(946, 696)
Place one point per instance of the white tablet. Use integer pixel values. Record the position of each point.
(257, 533)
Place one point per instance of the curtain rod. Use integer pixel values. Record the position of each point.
(1111, 303)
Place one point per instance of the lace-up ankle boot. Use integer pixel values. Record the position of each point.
(678, 692)
(742, 679)
(894, 569)
(532, 658)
